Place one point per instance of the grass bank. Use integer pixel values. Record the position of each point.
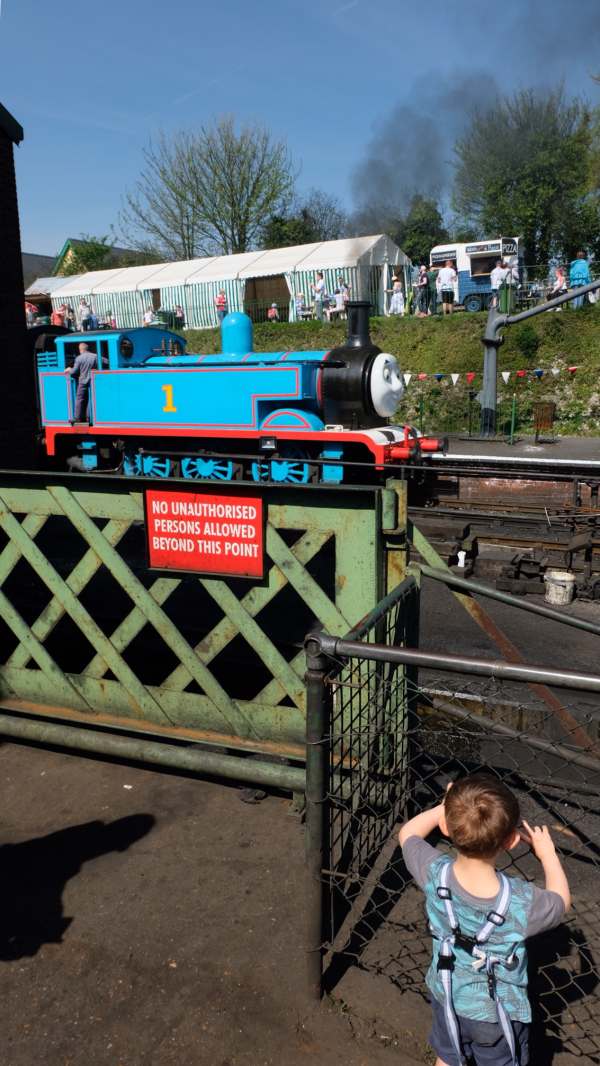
(453, 345)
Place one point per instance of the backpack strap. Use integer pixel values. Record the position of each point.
(446, 961)
(496, 918)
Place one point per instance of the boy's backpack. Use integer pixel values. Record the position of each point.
(485, 960)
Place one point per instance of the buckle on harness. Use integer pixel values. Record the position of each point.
(467, 943)
(495, 918)
(443, 892)
(445, 962)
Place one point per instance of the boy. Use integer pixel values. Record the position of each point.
(480, 920)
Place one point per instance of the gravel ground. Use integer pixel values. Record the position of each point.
(154, 918)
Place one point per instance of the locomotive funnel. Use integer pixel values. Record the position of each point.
(347, 398)
(358, 324)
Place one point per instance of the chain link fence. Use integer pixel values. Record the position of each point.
(387, 741)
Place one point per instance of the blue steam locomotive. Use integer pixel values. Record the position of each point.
(155, 410)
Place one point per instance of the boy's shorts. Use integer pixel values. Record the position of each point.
(483, 1041)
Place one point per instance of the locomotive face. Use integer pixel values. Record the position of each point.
(386, 385)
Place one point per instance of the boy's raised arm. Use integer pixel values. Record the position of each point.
(542, 846)
(421, 825)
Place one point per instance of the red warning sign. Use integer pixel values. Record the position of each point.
(203, 533)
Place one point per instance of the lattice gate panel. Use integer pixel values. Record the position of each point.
(88, 631)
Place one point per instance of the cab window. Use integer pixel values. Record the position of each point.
(72, 351)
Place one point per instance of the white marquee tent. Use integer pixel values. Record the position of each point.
(251, 280)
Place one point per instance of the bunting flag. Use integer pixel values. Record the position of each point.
(470, 375)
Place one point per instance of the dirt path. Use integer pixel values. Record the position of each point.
(149, 918)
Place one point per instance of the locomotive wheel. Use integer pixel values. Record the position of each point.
(212, 469)
(136, 465)
(292, 468)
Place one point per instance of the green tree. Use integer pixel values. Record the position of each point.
(421, 228)
(209, 191)
(524, 168)
(90, 253)
(317, 217)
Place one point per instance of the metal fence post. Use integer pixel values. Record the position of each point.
(513, 418)
(316, 837)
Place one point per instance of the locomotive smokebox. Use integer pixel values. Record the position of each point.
(346, 391)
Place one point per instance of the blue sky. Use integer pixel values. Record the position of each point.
(91, 84)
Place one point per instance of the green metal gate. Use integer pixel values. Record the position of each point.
(88, 634)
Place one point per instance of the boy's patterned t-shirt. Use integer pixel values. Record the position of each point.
(532, 910)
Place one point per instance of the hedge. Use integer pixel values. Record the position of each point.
(453, 345)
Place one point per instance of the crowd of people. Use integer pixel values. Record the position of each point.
(433, 290)
(325, 306)
(84, 318)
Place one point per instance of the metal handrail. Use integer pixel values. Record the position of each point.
(338, 647)
(477, 587)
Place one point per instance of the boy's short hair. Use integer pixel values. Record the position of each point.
(481, 814)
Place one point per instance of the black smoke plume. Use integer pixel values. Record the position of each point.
(411, 149)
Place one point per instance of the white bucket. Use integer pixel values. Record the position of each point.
(560, 587)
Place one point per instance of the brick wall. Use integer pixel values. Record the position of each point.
(18, 422)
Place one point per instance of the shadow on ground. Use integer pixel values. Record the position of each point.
(34, 874)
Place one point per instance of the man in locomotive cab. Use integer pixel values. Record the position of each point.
(81, 371)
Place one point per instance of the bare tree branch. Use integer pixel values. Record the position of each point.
(208, 192)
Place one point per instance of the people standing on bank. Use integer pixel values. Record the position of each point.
(179, 316)
(579, 274)
(497, 278)
(84, 313)
(397, 301)
(149, 316)
(57, 318)
(421, 309)
(81, 371)
(344, 288)
(31, 312)
(446, 280)
(221, 305)
(432, 290)
(318, 289)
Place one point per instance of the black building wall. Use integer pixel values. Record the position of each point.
(18, 422)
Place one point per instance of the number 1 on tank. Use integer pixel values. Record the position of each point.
(168, 391)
